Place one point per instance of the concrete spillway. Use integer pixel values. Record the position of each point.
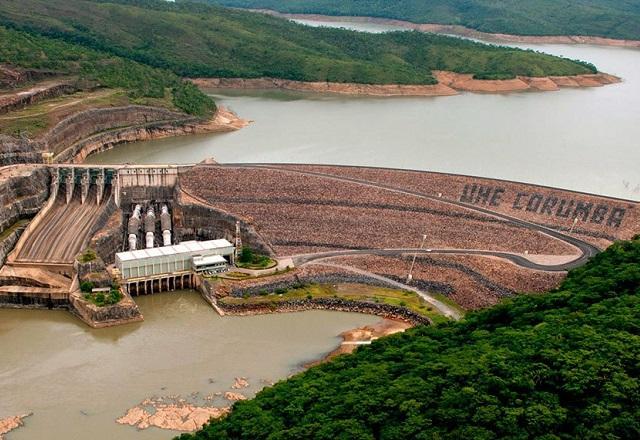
(65, 228)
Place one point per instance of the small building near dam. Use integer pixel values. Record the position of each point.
(172, 267)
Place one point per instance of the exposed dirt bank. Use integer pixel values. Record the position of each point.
(223, 121)
(23, 98)
(464, 31)
(94, 130)
(11, 423)
(351, 339)
(450, 83)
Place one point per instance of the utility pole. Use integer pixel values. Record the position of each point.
(413, 262)
(575, 221)
(238, 242)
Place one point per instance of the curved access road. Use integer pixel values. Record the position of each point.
(517, 259)
(444, 309)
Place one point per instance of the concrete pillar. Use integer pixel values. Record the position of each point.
(69, 181)
(84, 185)
(100, 184)
(55, 182)
(115, 187)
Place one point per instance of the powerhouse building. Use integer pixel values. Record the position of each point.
(166, 260)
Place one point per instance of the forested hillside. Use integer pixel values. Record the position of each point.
(560, 365)
(25, 50)
(197, 40)
(603, 18)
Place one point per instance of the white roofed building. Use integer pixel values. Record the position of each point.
(152, 262)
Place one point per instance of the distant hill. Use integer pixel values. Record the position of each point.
(143, 84)
(198, 40)
(602, 18)
(560, 365)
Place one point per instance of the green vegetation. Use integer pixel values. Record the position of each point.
(249, 259)
(355, 292)
(560, 365)
(99, 298)
(198, 40)
(87, 256)
(26, 49)
(86, 286)
(604, 18)
(8, 231)
(38, 117)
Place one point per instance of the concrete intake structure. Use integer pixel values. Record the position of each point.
(133, 227)
(150, 227)
(165, 223)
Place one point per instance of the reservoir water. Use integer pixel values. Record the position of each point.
(77, 381)
(581, 139)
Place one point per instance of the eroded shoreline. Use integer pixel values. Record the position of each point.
(463, 31)
(449, 84)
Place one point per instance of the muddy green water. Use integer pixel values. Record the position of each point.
(584, 139)
(77, 381)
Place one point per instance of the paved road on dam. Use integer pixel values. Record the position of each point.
(587, 250)
(519, 260)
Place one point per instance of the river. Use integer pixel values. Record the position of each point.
(77, 381)
(580, 139)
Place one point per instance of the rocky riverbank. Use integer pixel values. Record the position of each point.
(449, 83)
(335, 304)
(464, 31)
(10, 423)
(87, 132)
(173, 414)
(223, 121)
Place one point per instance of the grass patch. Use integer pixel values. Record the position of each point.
(87, 256)
(355, 292)
(38, 118)
(235, 275)
(4, 234)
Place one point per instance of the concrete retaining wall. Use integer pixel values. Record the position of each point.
(198, 222)
(126, 311)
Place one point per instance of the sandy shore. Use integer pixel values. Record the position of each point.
(224, 120)
(449, 83)
(464, 31)
(351, 339)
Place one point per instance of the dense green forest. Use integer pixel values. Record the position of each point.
(25, 50)
(198, 40)
(604, 18)
(560, 365)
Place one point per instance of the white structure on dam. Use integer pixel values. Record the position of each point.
(171, 267)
